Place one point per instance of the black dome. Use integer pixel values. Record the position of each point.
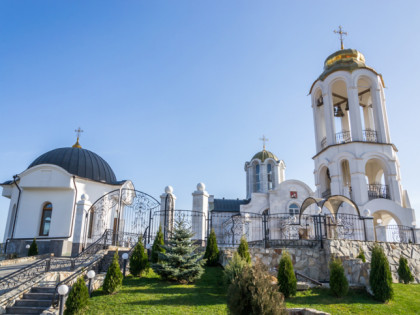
(80, 162)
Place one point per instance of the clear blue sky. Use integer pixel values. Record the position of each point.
(179, 92)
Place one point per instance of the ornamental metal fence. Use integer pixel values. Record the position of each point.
(400, 234)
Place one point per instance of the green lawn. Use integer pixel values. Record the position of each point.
(150, 295)
(406, 301)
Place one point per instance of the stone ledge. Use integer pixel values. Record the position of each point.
(8, 262)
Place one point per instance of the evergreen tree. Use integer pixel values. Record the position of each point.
(362, 255)
(380, 275)
(78, 298)
(286, 276)
(157, 246)
(212, 251)
(33, 250)
(233, 268)
(339, 286)
(404, 272)
(114, 276)
(181, 262)
(139, 261)
(243, 250)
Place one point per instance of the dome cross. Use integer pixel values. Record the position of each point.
(78, 131)
(264, 140)
(341, 33)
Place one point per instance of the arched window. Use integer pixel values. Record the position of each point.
(270, 176)
(257, 178)
(44, 229)
(293, 209)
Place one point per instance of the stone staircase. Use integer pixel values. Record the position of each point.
(107, 260)
(34, 302)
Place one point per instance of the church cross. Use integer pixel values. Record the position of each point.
(341, 33)
(264, 140)
(78, 131)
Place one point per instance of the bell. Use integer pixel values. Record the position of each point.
(338, 112)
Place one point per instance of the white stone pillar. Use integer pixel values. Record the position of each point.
(329, 118)
(355, 119)
(394, 189)
(316, 127)
(80, 229)
(378, 110)
(381, 233)
(369, 226)
(200, 213)
(359, 189)
(167, 202)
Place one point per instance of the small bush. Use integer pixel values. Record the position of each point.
(362, 255)
(33, 249)
(404, 272)
(78, 298)
(243, 250)
(114, 276)
(380, 275)
(286, 276)
(157, 248)
(139, 261)
(339, 285)
(253, 293)
(212, 251)
(233, 268)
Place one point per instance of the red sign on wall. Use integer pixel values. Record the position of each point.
(293, 194)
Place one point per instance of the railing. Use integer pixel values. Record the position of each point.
(376, 191)
(326, 193)
(370, 135)
(345, 227)
(343, 137)
(323, 143)
(400, 234)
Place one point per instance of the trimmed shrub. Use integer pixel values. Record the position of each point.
(78, 298)
(252, 292)
(243, 250)
(404, 272)
(339, 286)
(362, 255)
(157, 246)
(114, 276)
(139, 261)
(380, 276)
(212, 251)
(233, 268)
(33, 249)
(286, 276)
(182, 261)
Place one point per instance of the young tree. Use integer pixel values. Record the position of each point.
(78, 297)
(404, 272)
(362, 255)
(114, 276)
(33, 249)
(212, 251)
(243, 250)
(380, 275)
(286, 276)
(252, 292)
(233, 268)
(157, 246)
(181, 262)
(339, 286)
(139, 261)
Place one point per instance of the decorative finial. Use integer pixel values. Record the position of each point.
(78, 131)
(341, 33)
(264, 140)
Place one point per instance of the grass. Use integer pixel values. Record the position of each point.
(151, 295)
(406, 301)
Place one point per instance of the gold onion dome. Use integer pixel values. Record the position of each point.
(77, 144)
(264, 154)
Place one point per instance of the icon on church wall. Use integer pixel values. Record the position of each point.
(293, 194)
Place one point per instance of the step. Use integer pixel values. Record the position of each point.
(43, 290)
(31, 302)
(25, 309)
(38, 296)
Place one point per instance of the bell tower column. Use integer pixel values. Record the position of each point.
(355, 120)
(329, 118)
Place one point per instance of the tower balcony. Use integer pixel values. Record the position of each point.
(376, 191)
(369, 135)
(342, 137)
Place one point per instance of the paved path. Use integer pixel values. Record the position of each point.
(5, 270)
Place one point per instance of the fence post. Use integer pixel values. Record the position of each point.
(320, 229)
(364, 228)
(414, 235)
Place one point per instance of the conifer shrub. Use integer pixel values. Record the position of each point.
(286, 276)
(181, 262)
(362, 255)
(253, 293)
(114, 276)
(404, 272)
(157, 246)
(233, 268)
(78, 298)
(243, 250)
(339, 286)
(139, 262)
(33, 249)
(212, 251)
(380, 275)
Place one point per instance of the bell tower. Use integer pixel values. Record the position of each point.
(354, 153)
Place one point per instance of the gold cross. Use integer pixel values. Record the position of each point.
(264, 140)
(78, 131)
(341, 33)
